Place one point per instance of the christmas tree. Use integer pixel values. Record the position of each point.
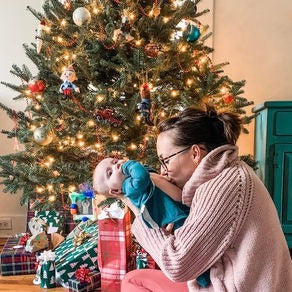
(108, 72)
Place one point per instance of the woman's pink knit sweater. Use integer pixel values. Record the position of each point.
(233, 229)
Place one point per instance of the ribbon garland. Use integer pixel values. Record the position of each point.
(82, 275)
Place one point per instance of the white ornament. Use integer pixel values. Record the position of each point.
(81, 15)
(42, 137)
(39, 34)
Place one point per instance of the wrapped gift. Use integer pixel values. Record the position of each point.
(92, 284)
(36, 225)
(114, 246)
(69, 223)
(37, 242)
(47, 271)
(75, 252)
(53, 219)
(14, 260)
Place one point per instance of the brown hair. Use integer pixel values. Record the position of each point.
(207, 127)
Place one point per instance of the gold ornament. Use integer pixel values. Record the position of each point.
(42, 137)
(156, 10)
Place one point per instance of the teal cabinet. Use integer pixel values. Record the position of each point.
(273, 152)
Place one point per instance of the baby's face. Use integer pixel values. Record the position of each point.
(108, 175)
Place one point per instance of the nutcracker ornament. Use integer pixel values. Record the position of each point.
(67, 86)
(145, 105)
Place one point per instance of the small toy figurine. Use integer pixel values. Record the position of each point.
(68, 77)
(145, 105)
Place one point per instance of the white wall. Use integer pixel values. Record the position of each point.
(254, 36)
(17, 26)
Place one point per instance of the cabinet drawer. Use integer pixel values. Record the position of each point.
(283, 123)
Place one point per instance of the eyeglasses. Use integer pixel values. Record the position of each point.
(165, 160)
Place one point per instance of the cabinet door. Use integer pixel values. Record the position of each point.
(283, 187)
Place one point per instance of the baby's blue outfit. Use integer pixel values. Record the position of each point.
(156, 207)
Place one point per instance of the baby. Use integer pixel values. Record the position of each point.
(155, 197)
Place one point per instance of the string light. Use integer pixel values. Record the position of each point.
(174, 93)
(52, 198)
(81, 143)
(223, 89)
(138, 43)
(47, 28)
(115, 137)
(63, 22)
(91, 123)
(59, 39)
(99, 98)
(166, 19)
(79, 136)
(71, 188)
(132, 16)
(50, 187)
(40, 189)
(162, 114)
(190, 82)
(133, 146)
(97, 145)
(138, 117)
(37, 106)
(56, 173)
(74, 56)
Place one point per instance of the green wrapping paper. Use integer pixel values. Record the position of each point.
(70, 258)
(53, 220)
(47, 275)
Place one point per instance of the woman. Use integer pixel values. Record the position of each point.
(233, 228)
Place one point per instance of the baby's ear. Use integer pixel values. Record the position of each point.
(115, 192)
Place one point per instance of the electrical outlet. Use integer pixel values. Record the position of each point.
(5, 223)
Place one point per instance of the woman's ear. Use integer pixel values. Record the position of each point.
(197, 154)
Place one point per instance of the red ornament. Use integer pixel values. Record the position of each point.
(228, 98)
(152, 50)
(145, 91)
(36, 86)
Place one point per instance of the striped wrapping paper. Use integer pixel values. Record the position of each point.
(114, 248)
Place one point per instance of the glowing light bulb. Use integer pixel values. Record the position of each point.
(174, 93)
(52, 198)
(63, 22)
(223, 89)
(56, 173)
(72, 188)
(162, 114)
(59, 39)
(50, 187)
(115, 137)
(190, 82)
(99, 98)
(166, 19)
(51, 159)
(97, 145)
(91, 123)
(40, 189)
(79, 136)
(81, 143)
(138, 43)
(133, 146)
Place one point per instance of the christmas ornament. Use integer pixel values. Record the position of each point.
(36, 85)
(228, 98)
(42, 136)
(68, 77)
(193, 34)
(106, 114)
(151, 50)
(156, 10)
(81, 15)
(126, 26)
(39, 34)
(145, 105)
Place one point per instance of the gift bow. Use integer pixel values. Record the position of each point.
(82, 275)
(24, 239)
(80, 238)
(47, 256)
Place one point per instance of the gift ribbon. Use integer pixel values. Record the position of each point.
(82, 275)
(47, 255)
(80, 238)
(24, 239)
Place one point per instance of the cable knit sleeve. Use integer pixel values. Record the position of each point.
(218, 211)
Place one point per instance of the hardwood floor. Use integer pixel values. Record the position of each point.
(23, 283)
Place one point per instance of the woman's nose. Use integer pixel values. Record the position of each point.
(163, 171)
